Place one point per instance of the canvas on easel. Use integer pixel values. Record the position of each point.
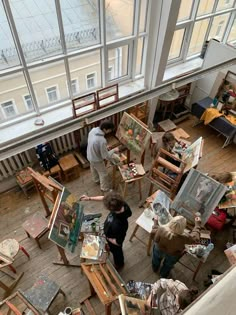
(198, 193)
(67, 221)
(192, 154)
(133, 133)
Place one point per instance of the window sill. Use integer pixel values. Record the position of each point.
(182, 68)
(24, 127)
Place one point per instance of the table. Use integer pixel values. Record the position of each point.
(146, 223)
(25, 181)
(166, 125)
(36, 226)
(69, 166)
(105, 282)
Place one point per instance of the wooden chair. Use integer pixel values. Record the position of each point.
(69, 166)
(140, 111)
(54, 172)
(36, 226)
(16, 304)
(164, 174)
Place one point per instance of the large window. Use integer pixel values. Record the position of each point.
(199, 21)
(44, 44)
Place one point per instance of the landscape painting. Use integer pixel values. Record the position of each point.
(133, 134)
(67, 221)
(199, 193)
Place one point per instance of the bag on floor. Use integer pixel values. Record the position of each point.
(217, 219)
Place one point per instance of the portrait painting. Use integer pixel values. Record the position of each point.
(133, 134)
(64, 230)
(199, 193)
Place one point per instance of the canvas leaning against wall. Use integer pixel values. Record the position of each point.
(67, 222)
(199, 193)
(133, 134)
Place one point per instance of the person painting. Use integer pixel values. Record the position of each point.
(169, 243)
(175, 298)
(116, 223)
(97, 152)
(167, 142)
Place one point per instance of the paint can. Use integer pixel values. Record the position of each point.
(68, 311)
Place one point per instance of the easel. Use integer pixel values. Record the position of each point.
(47, 189)
(16, 299)
(106, 283)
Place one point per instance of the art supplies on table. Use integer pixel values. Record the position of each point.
(198, 250)
(140, 290)
(130, 305)
(93, 247)
(131, 170)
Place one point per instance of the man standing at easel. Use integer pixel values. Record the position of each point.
(97, 152)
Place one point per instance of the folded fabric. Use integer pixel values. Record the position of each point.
(231, 119)
(210, 114)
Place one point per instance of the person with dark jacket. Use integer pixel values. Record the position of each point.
(116, 223)
(169, 243)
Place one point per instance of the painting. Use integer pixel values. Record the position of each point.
(67, 221)
(133, 134)
(199, 193)
(229, 199)
(132, 306)
(93, 247)
(192, 154)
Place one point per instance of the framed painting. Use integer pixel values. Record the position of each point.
(67, 221)
(199, 193)
(133, 134)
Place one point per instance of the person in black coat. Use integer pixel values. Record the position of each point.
(116, 223)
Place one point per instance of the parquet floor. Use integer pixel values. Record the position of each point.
(15, 208)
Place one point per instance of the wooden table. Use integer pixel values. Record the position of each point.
(69, 166)
(105, 282)
(36, 226)
(166, 125)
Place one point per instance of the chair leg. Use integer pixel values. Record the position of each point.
(24, 251)
(12, 268)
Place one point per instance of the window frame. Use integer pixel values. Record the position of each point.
(95, 80)
(25, 102)
(14, 106)
(57, 92)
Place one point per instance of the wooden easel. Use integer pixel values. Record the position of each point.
(106, 283)
(47, 189)
(14, 300)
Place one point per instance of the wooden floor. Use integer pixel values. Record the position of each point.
(15, 208)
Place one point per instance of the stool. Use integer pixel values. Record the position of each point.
(9, 248)
(195, 270)
(36, 226)
(166, 125)
(69, 166)
(42, 294)
(127, 181)
(54, 172)
(146, 223)
(25, 181)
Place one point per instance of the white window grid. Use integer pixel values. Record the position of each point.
(52, 93)
(104, 46)
(188, 26)
(28, 102)
(91, 80)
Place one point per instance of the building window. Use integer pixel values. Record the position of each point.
(28, 102)
(8, 109)
(74, 86)
(110, 73)
(91, 80)
(52, 94)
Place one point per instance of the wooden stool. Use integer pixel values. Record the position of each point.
(69, 166)
(196, 266)
(42, 294)
(9, 248)
(146, 223)
(106, 283)
(15, 304)
(166, 125)
(36, 226)
(25, 181)
(54, 172)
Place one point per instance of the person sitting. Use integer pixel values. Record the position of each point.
(167, 142)
(175, 298)
(169, 243)
(116, 223)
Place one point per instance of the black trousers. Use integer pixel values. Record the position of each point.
(117, 253)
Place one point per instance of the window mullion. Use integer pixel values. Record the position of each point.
(63, 44)
(134, 48)
(104, 49)
(20, 53)
(229, 27)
